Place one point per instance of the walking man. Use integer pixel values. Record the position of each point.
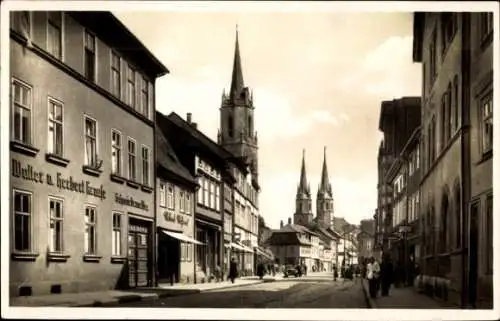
(372, 271)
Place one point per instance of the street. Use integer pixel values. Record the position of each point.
(306, 292)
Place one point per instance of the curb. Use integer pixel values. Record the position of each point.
(370, 302)
(123, 299)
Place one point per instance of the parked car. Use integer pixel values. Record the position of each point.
(291, 270)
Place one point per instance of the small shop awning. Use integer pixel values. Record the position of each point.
(182, 237)
(241, 247)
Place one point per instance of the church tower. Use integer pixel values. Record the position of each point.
(324, 199)
(236, 131)
(303, 209)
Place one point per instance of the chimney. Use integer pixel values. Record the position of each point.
(281, 224)
(289, 220)
(188, 118)
(195, 125)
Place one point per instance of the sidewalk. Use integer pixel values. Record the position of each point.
(103, 298)
(402, 298)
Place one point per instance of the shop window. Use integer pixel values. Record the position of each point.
(117, 235)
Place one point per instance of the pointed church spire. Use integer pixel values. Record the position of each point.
(325, 182)
(237, 83)
(303, 186)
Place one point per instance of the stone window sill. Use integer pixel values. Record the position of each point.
(118, 259)
(91, 258)
(24, 148)
(55, 159)
(91, 171)
(57, 257)
(133, 184)
(117, 178)
(25, 256)
(147, 189)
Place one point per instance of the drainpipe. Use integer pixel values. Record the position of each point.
(465, 144)
(154, 236)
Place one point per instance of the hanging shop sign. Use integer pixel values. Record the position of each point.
(29, 173)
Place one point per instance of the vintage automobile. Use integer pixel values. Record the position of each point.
(291, 270)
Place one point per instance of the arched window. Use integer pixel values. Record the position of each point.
(444, 224)
(458, 218)
(230, 126)
(250, 125)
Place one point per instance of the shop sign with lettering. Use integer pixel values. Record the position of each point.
(29, 173)
(129, 201)
(172, 217)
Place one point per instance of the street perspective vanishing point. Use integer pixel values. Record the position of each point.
(260, 159)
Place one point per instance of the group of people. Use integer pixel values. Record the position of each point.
(379, 275)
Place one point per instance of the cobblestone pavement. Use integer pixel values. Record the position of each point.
(289, 293)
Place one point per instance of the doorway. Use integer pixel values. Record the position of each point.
(139, 250)
(168, 259)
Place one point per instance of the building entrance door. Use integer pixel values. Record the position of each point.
(138, 254)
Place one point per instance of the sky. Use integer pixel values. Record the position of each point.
(318, 79)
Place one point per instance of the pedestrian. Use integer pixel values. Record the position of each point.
(218, 273)
(386, 273)
(335, 273)
(372, 271)
(260, 270)
(233, 272)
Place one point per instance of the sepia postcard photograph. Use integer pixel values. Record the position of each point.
(276, 160)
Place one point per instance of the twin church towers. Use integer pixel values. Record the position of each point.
(324, 199)
(237, 134)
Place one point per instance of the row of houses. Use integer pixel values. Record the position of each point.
(318, 243)
(106, 192)
(435, 191)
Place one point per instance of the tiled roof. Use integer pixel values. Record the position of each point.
(297, 229)
(166, 158)
(285, 238)
(198, 135)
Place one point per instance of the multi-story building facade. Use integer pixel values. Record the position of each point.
(237, 135)
(404, 176)
(404, 232)
(293, 244)
(80, 81)
(207, 162)
(398, 120)
(365, 239)
(246, 221)
(175, 201)
(455, 50)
